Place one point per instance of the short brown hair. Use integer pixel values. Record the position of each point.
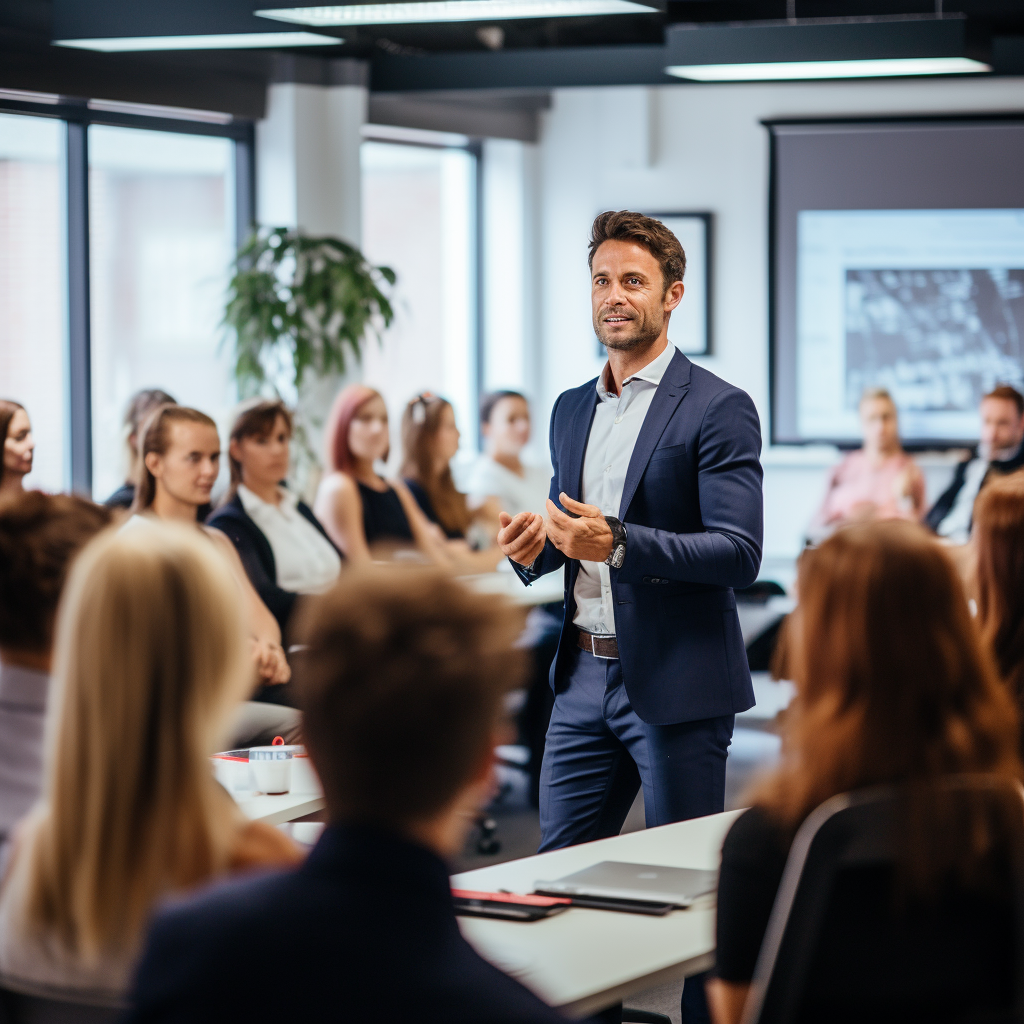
(40, 534)
(401, 686)
(255, 418)
(1007, 394)
(648, 233)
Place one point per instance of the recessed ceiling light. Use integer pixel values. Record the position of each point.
(227, 41)
(453, 10)
(805, 69)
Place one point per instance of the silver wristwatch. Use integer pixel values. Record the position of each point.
(618, 555)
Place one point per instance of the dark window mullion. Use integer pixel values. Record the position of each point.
(79, 363)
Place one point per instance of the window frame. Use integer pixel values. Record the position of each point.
(475, 149)
(77, 116)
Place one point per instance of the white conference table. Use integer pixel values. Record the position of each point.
(585, 960)
(276, 810)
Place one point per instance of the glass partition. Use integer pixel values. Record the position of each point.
(162, 223)
(32, 307)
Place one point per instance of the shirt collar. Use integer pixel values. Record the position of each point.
(252, 502)
(651, 373)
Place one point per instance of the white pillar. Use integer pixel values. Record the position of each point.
(307, 159)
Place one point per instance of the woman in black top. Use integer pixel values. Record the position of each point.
(893, 687)
(140, 406)
(361, 511)
(430, 440)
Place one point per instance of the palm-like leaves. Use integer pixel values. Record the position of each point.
(316, 297)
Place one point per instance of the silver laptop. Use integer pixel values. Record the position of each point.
(652, 883)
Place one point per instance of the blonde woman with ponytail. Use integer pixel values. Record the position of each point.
(150, 665)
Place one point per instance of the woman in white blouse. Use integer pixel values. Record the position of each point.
(283, 547)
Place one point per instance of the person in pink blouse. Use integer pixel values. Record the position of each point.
(880, 481)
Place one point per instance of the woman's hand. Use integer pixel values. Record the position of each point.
(271, 663)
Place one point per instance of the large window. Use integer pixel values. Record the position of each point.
(32, 350)
(162, 227)
(419, 218)
(117, 231)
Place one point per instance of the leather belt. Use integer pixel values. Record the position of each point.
(598, 646)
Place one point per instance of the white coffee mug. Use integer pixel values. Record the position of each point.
(272, 769)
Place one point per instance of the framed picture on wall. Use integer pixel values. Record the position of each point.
(690, 327)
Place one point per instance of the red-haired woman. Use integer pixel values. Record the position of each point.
(998, 538)
(359, 508)
(894, 686)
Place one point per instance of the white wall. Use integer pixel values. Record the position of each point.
(707, 151)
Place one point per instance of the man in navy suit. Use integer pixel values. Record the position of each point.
(655, 511)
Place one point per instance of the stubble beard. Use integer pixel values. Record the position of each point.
(644, 334)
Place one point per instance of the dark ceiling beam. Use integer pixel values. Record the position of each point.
(521, 69)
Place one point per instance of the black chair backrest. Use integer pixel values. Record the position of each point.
(850, 832)
(22, 1008)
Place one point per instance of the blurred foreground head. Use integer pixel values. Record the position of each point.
(893, 683)
(998, 536)
(402, 690)
(40, 534)
(149, 662)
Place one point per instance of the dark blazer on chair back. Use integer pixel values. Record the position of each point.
(257, 555)
(363, 931)
(693, 510)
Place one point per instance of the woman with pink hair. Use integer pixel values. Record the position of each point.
(360, 510)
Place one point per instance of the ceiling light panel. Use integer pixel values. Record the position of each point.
(226, 41)
(429, 11)
(818, 69)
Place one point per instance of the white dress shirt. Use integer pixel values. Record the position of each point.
(526, 493)
(956, 527)
(613, 434)
(306, 562)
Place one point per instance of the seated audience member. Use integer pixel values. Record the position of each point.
(18, 447)
(402, 687)
(130, 811)
(283, 547)
(361, 510)
(893, 687)
(39, 536)
(499, 472)
(140, 405)
(998, 540)
(999, 451)
(180, 459)
(880, 481)
(430, 440)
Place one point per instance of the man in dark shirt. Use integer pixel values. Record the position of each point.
(401, 680)
(1001, 451)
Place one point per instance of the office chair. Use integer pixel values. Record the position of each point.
(848, 832)
(25, 1008)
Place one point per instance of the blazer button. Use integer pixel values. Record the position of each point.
(647, 579)
(663, 581)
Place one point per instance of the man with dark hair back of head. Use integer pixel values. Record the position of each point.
(402, 679)
(40, 534)
(1000, 451)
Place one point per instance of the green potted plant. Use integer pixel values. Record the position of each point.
(299, 309)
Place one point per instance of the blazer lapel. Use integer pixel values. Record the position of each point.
(670, 392)
(581, 422)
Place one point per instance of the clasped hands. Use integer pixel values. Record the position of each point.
(589, 537)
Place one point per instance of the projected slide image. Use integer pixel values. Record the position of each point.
(926, 303)
(937, 339)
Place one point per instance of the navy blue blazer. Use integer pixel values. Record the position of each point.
(693, 511)
(363, 931)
